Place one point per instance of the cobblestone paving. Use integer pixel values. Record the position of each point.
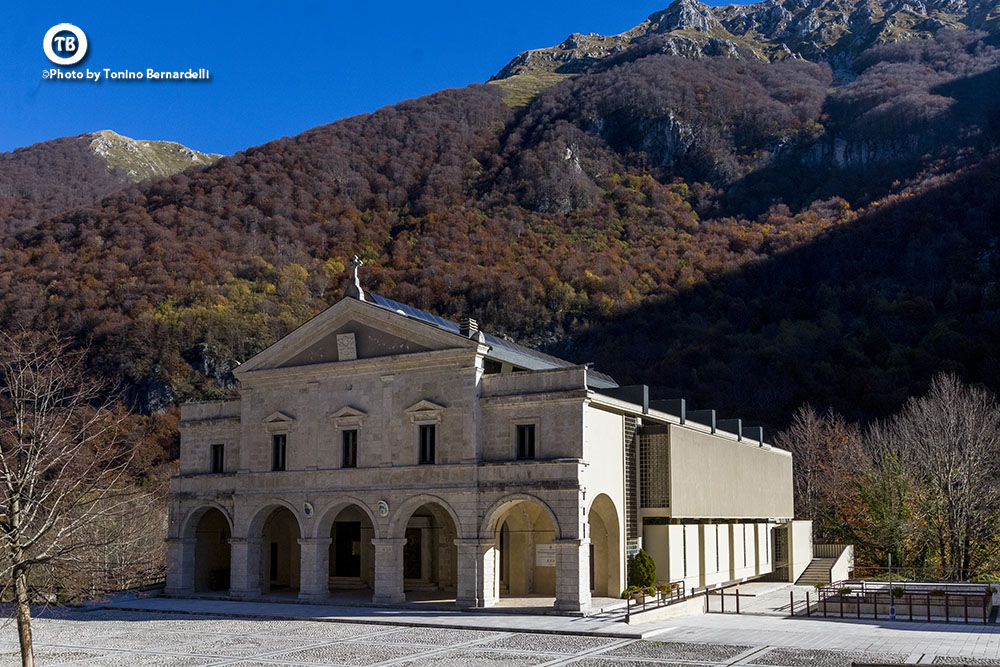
(120, 639)
(794, 657)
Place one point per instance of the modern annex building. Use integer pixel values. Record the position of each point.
(380, 447)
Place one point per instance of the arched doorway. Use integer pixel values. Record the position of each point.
(524, 535)
(281, 555)
(352, 557)
(212, 553)
(605, 550)
(430, 558)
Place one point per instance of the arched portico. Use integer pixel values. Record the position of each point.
(348, 560)
(200, 556)
(212, 552)
(274, 549)
(605, 547)
(524, 537)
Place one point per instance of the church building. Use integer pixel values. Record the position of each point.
(381, 450)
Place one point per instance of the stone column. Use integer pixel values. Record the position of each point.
(180, 565)
(389, 570)
(244, 577)
(573, 575)
(476, 573)
(427, 546)
(314, 573)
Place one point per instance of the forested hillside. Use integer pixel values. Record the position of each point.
(750, 235)
(49, 178)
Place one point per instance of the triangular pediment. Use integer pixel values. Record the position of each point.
(351, 330)
(278, 417)
(348, 411)
(425, 406)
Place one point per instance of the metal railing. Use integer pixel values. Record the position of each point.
(860, 599)
(722, 594)
(642, 602)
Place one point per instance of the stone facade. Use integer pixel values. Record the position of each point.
(379, 448)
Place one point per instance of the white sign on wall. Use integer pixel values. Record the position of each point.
(545, 555)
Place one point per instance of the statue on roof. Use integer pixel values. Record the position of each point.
(354, 287)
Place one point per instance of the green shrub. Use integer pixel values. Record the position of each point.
(819, 584)
(844, 590)
(641, 570)
(898, 592)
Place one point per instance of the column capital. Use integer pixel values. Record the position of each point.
(388, 541)
(241, 541)
(473, 542)
(572, 541)
(181, 540)
(315, 541)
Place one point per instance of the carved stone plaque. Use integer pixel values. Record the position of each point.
(347, 349)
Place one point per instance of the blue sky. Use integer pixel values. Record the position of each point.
(278, 68)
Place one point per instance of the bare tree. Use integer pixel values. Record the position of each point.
(828, 459)
(950, 441)
(63, 466)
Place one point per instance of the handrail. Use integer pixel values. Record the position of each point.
(677, 593)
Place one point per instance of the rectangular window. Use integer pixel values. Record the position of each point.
(427, 435)
(218, 458)
(525, 441)
(278, 444)
(349, 455)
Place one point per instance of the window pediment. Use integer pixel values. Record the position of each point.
(425, 411)
(348, 416)
(279, 422)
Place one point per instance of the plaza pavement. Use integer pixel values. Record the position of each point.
(188, 633)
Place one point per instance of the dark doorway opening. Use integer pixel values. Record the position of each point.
(348, 545)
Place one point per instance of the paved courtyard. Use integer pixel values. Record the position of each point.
(228, 635)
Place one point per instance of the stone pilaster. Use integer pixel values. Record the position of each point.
(476, 573)
(180, 565)
(573, 575)
(389, 570)
(315, 568)
(245, 573)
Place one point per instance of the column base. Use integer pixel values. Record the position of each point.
(571, 606)
(388, 599)
(305, 596)
(248, 594)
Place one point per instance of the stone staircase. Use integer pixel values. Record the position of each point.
(818, 571)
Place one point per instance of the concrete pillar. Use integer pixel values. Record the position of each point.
(315, 568)
(573, 575)
(245, 574)
(180, 565)
(477, 563)
(389, 570)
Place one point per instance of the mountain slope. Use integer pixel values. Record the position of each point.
(831, 31)
(627, 216)
(43, 180)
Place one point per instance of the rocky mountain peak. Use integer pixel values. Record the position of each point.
(832, 31)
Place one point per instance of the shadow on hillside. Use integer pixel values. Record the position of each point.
(858, 319)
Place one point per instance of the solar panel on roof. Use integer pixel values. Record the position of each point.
(504, 350)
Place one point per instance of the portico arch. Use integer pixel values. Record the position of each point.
(605, 549)
(211, 529)
(524, 531)
(491, 520)
(430, 557)
(349, 560)
(279, 554)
